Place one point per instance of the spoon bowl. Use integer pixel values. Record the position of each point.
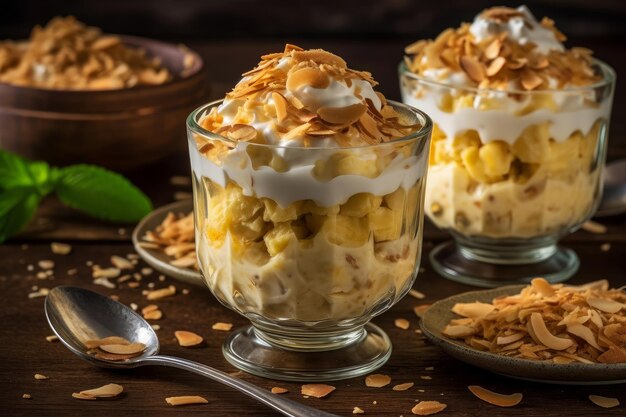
(77, 315)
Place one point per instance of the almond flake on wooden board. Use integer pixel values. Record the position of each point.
(187, 339)
(604, 402)
(224, 327)
(316, 390)
(60, 248)
(279, 390)
(153, 315)
(377, 380)
(52, 338)
(186, 400)
(26, 396)
(41, 377)
(46, 264)
(494, 398)
(594, 227)
(105, 391)
(358, 410)
(416, 294)
(403, 387)
(426, 408)
(121, 263)
(403, 324)
(161, 293)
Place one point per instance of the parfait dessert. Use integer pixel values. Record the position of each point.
(518, 146)
(308, 190)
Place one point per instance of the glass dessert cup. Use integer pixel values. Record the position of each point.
(510, 173)
(308, 243)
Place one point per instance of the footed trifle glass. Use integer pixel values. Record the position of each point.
(309, 243)
(520, 126)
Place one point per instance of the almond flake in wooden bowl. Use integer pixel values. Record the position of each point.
(186, 400)
(316, 390)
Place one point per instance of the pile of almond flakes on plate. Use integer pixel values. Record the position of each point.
(556, 323)
(175, 238)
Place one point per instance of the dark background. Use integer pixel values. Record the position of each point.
(370, 34)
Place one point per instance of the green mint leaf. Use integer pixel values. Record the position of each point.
(18, 172)
(101, 193)
(17, 207)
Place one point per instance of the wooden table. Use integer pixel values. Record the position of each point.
(24, 350)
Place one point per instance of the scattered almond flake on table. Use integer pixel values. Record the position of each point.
(104, 282)
(41, 377)
(594, 227)
(225, 327)
(46, 264)
(604, 402)
(153, 315)
(279, 390)
(60, 248)
(187, 339)
(605, 247)
(426, 377)
(121, 263)
(403, 387)
(416, 294)
(52, 338)
(429, 368)
(494, 398)
(42, 292)
(161, 293)
(155, 327)
(72, 272)
(402, 324)
(377, 380)
(316, 390)
(186, 400)
(150, 307)
(105, 391)
(26, 396)
(98, 272)
(146, 271)
(420, 309)
(358, 410)
(426, 408)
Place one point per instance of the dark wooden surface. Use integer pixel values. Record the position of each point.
(24, 350)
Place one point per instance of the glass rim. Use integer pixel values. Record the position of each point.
(423, 131)
(608, 78)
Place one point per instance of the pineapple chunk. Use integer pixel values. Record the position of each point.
(250, 230)
(217, 219)
(563, 157)
(309, 206)
(314, 222)
(241, 207)
(473, 164)
(346, 231)
(277, 214)
(532, 146)
(360, 205)
(463, 141)
(279, 238)
(496, 159)
(344, 164)
(386, 224)
(395, 200)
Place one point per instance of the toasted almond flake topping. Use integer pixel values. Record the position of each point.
(501, 400)
(316, 390)
(279, 390)
(131, 349)
(377, 380)
(186, 400)
(426, 408)
(495, 66)
(225, 327)
(416, 294)
(40, 377)
(473, 68)
(26, 396)
(607, 306)
(161, 293)
(105, 391)
(403, 387)
(60, 248)
(121, 263)
(153, 315)
(52, 338)
(187, 339)
(46, 264)
(604, 402)
(403, 324)
(358, 410)
(594, 227)
(544, 336)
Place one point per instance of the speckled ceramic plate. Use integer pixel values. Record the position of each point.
(157, 259)
(440, 313)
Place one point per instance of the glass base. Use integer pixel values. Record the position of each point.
(468, 266)
(250, 350)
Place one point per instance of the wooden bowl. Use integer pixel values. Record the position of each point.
(119, 129)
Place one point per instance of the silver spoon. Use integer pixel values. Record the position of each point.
(77, 315)
(614, 194)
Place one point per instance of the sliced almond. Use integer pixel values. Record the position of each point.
(493, 49)
(530, 80)
(161, 293)
(544, 336)
(187, 339)
(403, 387)
(131, 349)
(505, 340)
(342, 115)
(46, 264)
(457, 331)
(420, 309)
(60, 248)
(105, 391)
(417, 294)
(106, 272)
(358, 410)
(80, 396)
(594, 227)
(105, 42)
(377, 380)
(153, 315)
(41, 377)
(281, 106)
(604, 402)
(186, 400)
(225, 327)
(316, 390)
(319, 56)
(584, 333)
(495, 66)
(111, 340)
(52, 338)
(473, 68)
(501, 400)
(608, 306)
(426, 408)
(149, 308)
(403, 324)
(306, 77)
(279, 390)
(121, 263)
(543, 287)
(474, 310)
(242, 133)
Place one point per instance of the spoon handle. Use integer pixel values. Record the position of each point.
(285, 406)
